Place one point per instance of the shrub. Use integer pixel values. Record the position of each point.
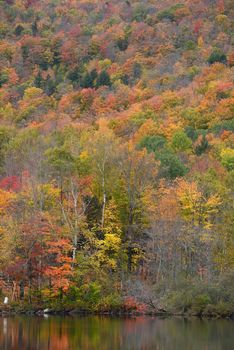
(90, 294)
(132, 305)
(111, 302)
(179, 301)
(198, 297)
(199, 303)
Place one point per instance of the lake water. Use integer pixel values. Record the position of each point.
(105, 333)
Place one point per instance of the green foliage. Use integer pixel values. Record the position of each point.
(199, 298)
(3, 78)
(217, 56)
(74, 75)
(89, 297)
(180, 141)
(191, 133)
(25, 140)
(202, 146)
(193, 71)
(125, 79)
(196, 119)
(90, 294)
(139, 118)
(50, 86)
(60, 160)
(190, 45)
(171, 167)
(103, 79)
(227, 158)
(200, 302)
(111, 302)
(140, 13)
(224, 125)
(86, 81)
(122, 44)
(5, 136)
(169, 13)
(19, 29)
(152, 143)
(39, 81)
(3, 30)
(89, 79)
(137, 70)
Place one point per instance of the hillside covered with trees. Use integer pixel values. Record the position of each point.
(116, 155)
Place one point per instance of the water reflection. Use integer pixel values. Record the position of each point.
(94, 333)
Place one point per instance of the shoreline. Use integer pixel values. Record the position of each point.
(112, 313)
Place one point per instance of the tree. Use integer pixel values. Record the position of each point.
(227, 158)
(171, 167)
(87, 81)
(29, 256)
(59, 270)
(170, 12)
(217, 56)
(103, 79)
(5, 136)
(153, 143)
(122, 44)
(3, 78)
(109, 248)
(199, 213)
(138, 172)
(39, 81)
(181, 142)
(104, 153)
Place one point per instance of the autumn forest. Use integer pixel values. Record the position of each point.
(116, 155)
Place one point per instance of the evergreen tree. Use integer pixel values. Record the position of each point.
(49, 86)
(217, 56)
(86, 81)
(103, 79)
(38, 81)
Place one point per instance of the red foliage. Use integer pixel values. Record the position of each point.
(30, 3)
(197, 26)
(220, 6)
(10, 183)
(131, 304)
(60, 268)
(75, 32)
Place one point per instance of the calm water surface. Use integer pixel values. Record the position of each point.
(94, 333)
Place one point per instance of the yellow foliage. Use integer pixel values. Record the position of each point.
(84, 155)
(195, 207)
(6, 199)
(32, 92)
(109, 247)
(200, 42)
